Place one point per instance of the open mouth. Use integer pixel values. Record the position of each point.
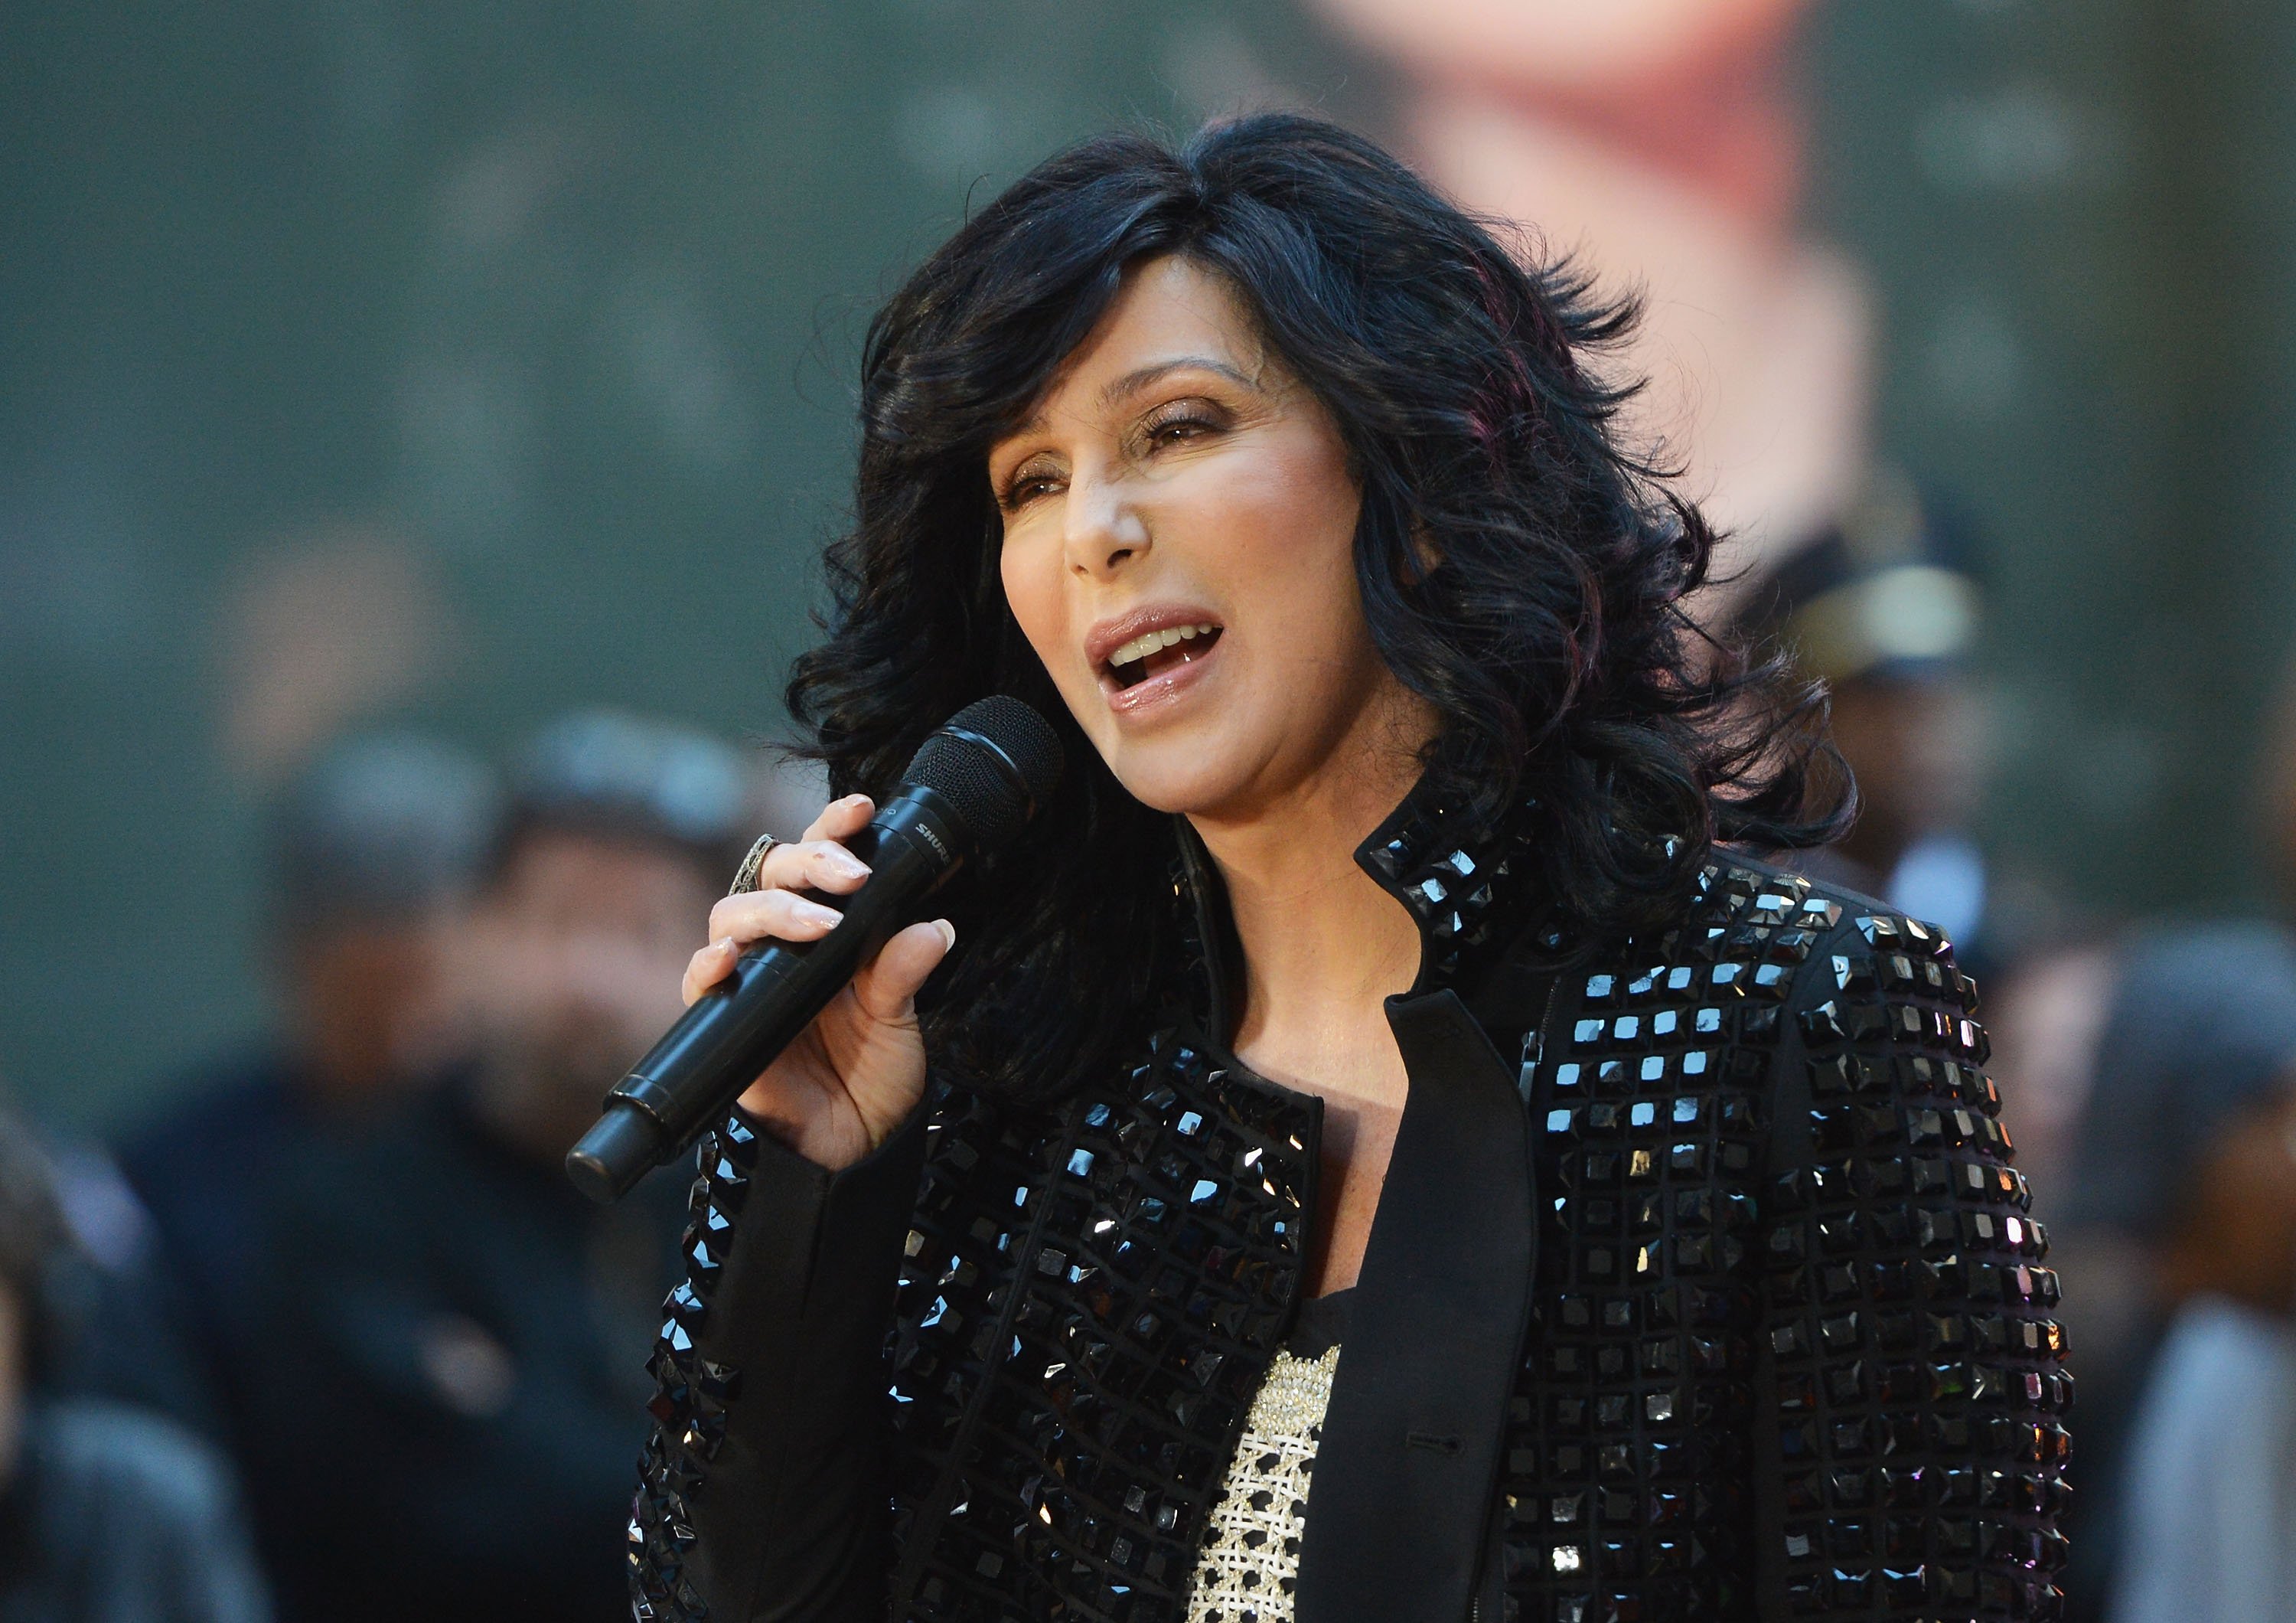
(1153, 653)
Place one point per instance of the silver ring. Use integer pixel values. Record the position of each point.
(745, 876)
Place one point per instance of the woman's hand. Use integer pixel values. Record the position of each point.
(857, 1071)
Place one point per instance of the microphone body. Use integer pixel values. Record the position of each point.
(970, 788)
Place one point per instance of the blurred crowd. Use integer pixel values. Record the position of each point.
(332, 1338)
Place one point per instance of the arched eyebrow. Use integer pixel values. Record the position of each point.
(1141, 377)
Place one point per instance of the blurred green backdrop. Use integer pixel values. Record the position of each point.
(461, 364)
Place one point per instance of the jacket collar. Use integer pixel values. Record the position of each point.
(1467, 883)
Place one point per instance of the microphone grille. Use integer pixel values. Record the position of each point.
(998, 760)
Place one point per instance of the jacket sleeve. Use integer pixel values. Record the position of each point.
(1913, 1464)
(762, 1490)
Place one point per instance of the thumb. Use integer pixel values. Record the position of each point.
(887, 989)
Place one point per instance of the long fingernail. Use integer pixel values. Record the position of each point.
(851, 866)
(947, 934)
(813, 912)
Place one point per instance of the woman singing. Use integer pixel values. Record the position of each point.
(1371, 1152)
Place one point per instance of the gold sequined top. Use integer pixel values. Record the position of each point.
(1251, 1556)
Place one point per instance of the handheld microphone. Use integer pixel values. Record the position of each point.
(970, 788)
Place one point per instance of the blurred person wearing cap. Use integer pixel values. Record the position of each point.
(1883, 610)
(107, 1513)
(372, 849)
(455, 1371)
(2179, 1228)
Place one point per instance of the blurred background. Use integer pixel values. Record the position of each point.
(380, 380)
(371, 360)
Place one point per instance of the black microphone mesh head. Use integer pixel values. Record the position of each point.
(997, 762)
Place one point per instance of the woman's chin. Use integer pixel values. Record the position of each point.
(1178, 777)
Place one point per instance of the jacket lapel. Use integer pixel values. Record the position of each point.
(1400, 1499)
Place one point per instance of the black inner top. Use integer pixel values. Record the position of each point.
(1321, 1324)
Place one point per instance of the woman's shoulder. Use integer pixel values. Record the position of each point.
(1846, 951)
(1746, 927)
(1849, 1014)
(1762, 965)
(1785, 1020)
(1784, 936)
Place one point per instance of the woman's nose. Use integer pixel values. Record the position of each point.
(1104, 528)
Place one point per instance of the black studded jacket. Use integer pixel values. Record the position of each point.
(1701, 1287)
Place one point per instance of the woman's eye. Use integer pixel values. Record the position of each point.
(1025, 489)
(1172, 429)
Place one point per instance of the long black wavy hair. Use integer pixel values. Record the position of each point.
(1521, 570)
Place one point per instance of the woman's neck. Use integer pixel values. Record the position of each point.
(1322, 944)
(1324, 947)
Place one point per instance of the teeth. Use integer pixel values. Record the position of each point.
(1148, 642)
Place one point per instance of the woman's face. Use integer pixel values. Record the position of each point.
(1179, 521)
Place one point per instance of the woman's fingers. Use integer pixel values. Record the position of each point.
(812, 865)
(709, 966)
(779, 915)
(842, 820)
(753, 916)
(887, 989)
(820, 861)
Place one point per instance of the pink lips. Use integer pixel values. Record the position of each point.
(1164, 686)
(1109, 635)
